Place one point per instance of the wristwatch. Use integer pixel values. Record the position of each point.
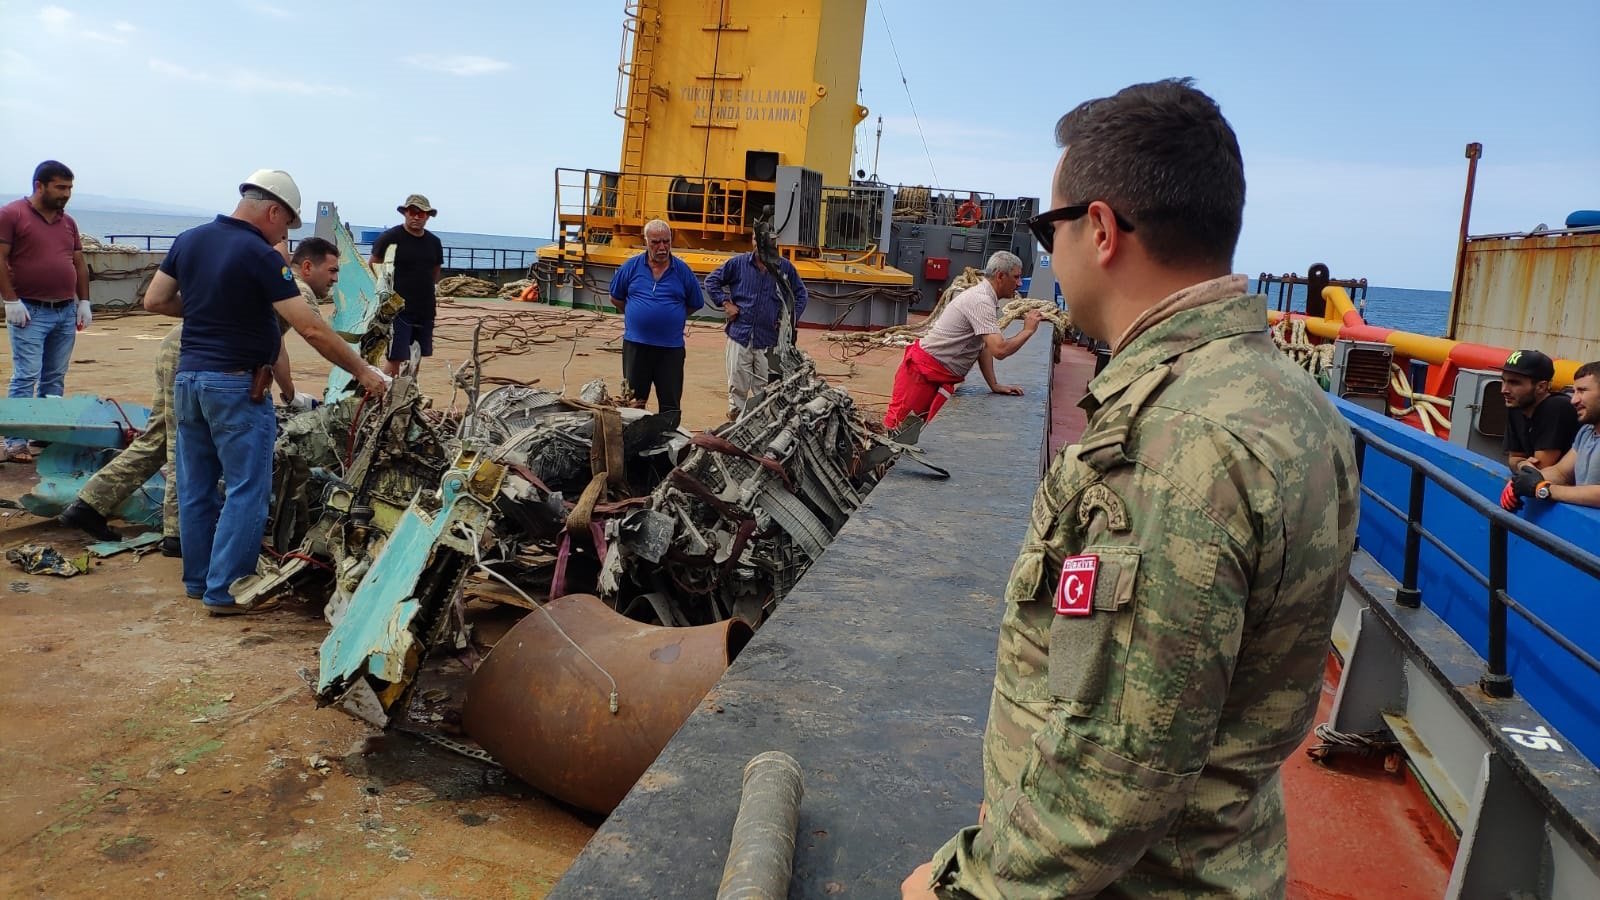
(1542, 491)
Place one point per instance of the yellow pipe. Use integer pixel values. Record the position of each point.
(1324, 328)
(1338, 303)
(1341, 313)
(1566, 372)
(1434, 350)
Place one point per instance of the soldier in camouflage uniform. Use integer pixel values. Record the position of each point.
(127, 472)
(1168, 618)
(316, 270)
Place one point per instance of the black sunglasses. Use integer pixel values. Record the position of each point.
(1043, 225)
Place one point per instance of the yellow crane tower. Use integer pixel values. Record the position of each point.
(730, 108)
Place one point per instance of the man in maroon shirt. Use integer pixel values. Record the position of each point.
(44, 282)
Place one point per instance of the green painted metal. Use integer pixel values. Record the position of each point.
(377, 639)
(357, 298)
(83, 433)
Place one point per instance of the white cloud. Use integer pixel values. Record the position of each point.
(54, 18)
(14, 65)
(65, 23)
(459, 64)
(248, 81)
(255, 82)
(173, 70)
(267, 9)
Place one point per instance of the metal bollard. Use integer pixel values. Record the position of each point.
(761, 857)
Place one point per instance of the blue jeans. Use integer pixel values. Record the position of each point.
(221, 435)
(40, 352)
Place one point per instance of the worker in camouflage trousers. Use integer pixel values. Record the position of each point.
(150, 452)
(315, 270)
(1168, 617)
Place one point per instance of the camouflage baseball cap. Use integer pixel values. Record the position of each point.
(420, 202)
(1531, 363)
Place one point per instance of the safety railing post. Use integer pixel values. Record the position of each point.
(1361, 467)
(1407, 594)
(1497, 681)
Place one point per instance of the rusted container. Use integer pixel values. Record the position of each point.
(544, 710)
(1539, 291)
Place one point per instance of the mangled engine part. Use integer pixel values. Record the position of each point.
(733, 527)
(583, 724)
(572, 464)
(343, 475)
(552, 438)
(406, 603)
(311, 453)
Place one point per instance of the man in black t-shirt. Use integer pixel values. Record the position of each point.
(418, 262)
(1540, 425)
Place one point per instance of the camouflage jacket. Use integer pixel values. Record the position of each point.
(1135, 737)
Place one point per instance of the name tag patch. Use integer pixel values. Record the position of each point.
(1075, 591)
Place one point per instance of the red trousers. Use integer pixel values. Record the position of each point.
(921, 385)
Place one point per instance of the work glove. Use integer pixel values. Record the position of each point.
(301, 402)
(16, 314)
(1527, 481)
(1524, 483)
(387, 378)
(85, 315)
(1509, 501)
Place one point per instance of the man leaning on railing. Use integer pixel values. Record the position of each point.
(1575, 478)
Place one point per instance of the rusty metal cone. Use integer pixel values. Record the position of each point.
(544, 711)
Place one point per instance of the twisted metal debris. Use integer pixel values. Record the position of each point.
(393, 514)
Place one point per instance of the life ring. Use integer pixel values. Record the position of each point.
(969, 213)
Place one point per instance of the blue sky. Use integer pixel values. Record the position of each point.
(1352, 115)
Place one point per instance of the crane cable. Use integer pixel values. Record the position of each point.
(907, 85)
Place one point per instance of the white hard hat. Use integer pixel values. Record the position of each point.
(277, 183)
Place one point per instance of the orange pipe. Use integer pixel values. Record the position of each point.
(1343, 321)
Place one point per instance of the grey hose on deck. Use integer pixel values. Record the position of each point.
(761, 857)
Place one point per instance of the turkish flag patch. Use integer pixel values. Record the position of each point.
(1075, 591)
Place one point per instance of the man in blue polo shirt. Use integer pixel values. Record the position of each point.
(232, 282)
(656, 292)
(750, 298)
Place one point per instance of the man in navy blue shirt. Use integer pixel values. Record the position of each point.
(232, 282)
(656, 292)
(749, 296)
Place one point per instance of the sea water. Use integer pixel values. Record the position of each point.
(131, 228)
(1403, 309)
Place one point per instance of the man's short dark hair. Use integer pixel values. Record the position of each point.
(314, 249)
(1588, 370)
(1162, 155)
(49, 171)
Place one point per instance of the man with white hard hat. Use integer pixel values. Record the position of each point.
(232, 282)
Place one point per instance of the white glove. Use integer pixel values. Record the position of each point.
(85, 315)
(387, 378)
(302, 401)
(16, 314)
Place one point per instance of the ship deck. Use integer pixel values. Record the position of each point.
(875, 675)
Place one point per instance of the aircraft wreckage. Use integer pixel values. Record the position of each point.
(645, 555)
